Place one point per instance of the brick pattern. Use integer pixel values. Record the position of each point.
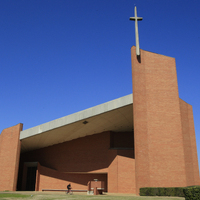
(121, 173)
(9, 157)
(96, 183)
(159, 153)
(113, 173)
(82, 160)
(52, 179)
(189, 140)
(126, 175)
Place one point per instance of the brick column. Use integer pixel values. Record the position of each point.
(159, 153)
(9, 157)
(190, 149)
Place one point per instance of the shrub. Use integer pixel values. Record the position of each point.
(148, 191)
(162, 191)
(192, 193)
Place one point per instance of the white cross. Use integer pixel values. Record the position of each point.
(136, 18)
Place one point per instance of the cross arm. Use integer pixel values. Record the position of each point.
(138, 18)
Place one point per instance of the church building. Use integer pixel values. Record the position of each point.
(145, 139)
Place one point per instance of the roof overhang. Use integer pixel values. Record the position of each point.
(116, 115)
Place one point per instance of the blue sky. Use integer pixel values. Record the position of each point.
(58, 57)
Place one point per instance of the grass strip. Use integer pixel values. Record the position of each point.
(7, 195)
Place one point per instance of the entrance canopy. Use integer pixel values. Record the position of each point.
(116, 115)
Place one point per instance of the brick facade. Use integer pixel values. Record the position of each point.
(189, 142)
(80, 161)
(161, 159)
(53, 179)
(161, 152)
(9, 157)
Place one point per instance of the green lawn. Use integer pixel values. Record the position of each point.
(14, 196)
(54, 196)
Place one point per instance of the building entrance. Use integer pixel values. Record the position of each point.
(31, 178)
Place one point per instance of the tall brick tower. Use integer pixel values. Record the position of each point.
(165, 144)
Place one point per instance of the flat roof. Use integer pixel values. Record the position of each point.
(115, 115)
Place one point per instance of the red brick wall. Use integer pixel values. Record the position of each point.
(121, 173)
(189, 140)
(87, 154)
(113, 173)
(96, 183)
(126, 175)
(159, 153)
(9, 157)
(82, 160)
(52, 179)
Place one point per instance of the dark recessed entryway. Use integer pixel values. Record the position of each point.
(31, 178)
